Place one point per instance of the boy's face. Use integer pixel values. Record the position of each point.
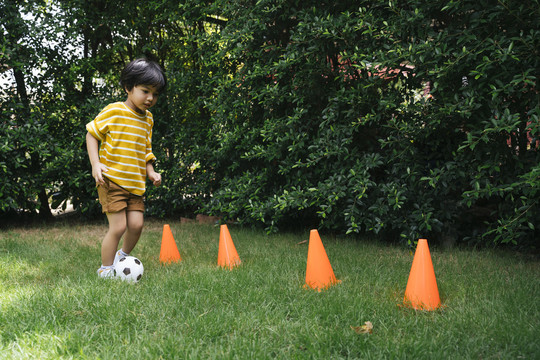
(142, 97)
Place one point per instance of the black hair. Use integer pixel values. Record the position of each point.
(143, 72)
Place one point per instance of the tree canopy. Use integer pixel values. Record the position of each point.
(405, 120)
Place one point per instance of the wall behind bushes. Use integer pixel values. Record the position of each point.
(406, 121)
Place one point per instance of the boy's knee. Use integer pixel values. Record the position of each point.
(117, 223)
(118, 229)
(135, 227)
(135, 221)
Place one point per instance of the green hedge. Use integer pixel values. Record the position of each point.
(407, 121)
(326, 121)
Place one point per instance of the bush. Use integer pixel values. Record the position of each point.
(405, 120)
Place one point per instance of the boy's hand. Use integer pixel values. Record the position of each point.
(155, 178)
(97, 173)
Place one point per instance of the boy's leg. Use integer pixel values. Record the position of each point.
(117, 227)
(135, 222)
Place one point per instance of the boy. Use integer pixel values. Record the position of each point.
(124, 159)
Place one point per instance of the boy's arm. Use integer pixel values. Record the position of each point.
(92, 146)
(152, 174)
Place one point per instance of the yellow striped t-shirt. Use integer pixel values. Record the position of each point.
(126, 145)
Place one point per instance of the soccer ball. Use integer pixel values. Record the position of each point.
(129, 269)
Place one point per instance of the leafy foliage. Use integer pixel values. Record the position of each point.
(406, 120)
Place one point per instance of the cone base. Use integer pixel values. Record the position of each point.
(321, 288)
(230, 263)
(169, 261)
(417, 305)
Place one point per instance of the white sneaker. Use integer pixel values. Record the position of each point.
(106, 273)
(119, 256)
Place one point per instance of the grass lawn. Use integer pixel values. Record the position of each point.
(53, 306)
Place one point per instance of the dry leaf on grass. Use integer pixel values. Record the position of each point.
(367, 328)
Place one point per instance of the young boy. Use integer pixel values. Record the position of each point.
(124, 159)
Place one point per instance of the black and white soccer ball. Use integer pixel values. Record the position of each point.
(129, 269)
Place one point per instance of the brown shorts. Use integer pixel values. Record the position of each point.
(114, 198)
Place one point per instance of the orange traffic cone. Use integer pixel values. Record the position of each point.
(169, 252)
(227, 255)
(319, 273)
(422, 292)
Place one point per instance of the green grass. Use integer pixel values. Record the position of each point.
(53, 306)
